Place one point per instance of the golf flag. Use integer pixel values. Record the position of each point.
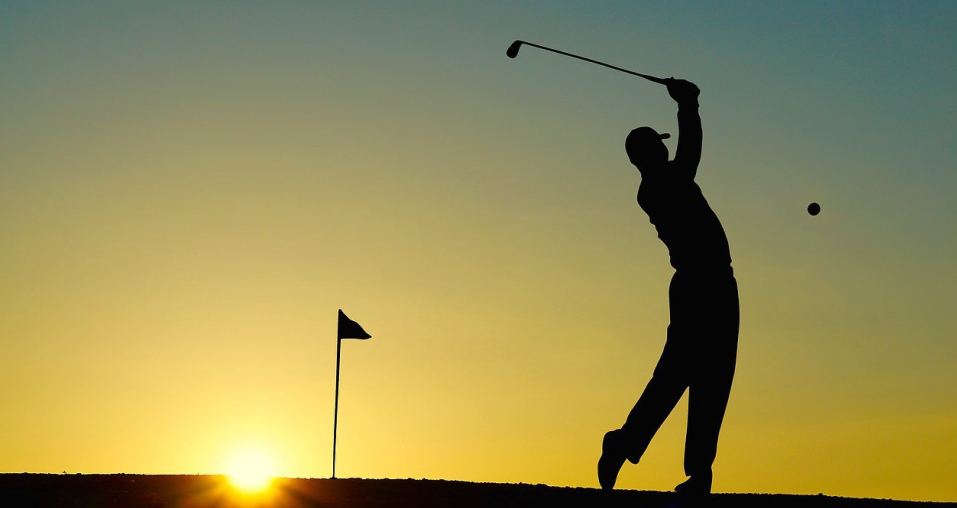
(349, 329)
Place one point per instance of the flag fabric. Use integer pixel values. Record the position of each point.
(349, 329)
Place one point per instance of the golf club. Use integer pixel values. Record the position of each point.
(512, 52)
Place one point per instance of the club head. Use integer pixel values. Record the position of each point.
(512, 50)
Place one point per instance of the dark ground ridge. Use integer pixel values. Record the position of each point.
(193, 491)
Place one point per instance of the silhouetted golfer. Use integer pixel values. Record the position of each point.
(703, 335)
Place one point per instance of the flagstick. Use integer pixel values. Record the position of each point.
(335, 418)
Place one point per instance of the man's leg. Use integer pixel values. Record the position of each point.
(667, 385)
(661, 395)
(710, 388)
(707, 401)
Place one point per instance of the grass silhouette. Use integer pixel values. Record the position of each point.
(193, 491)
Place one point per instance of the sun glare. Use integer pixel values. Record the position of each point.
(251, 471)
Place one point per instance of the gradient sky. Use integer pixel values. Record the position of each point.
(190, 190)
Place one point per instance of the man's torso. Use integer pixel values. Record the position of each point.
(685, 222)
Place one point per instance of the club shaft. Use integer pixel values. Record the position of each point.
(640, 75)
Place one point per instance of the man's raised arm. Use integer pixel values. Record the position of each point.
(688, 153)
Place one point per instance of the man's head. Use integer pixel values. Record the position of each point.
(645, 149)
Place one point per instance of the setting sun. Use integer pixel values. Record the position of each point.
(251, 471)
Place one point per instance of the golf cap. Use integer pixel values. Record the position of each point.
(641, 140)
(642, 136)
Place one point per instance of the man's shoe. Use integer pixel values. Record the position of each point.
(697, 485)
(612, 458)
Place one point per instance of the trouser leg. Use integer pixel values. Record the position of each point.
(707, 401)
(713, 365)
(667, 384)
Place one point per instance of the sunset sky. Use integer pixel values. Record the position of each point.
(190, 190)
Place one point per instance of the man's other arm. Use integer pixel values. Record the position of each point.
(688, 153)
